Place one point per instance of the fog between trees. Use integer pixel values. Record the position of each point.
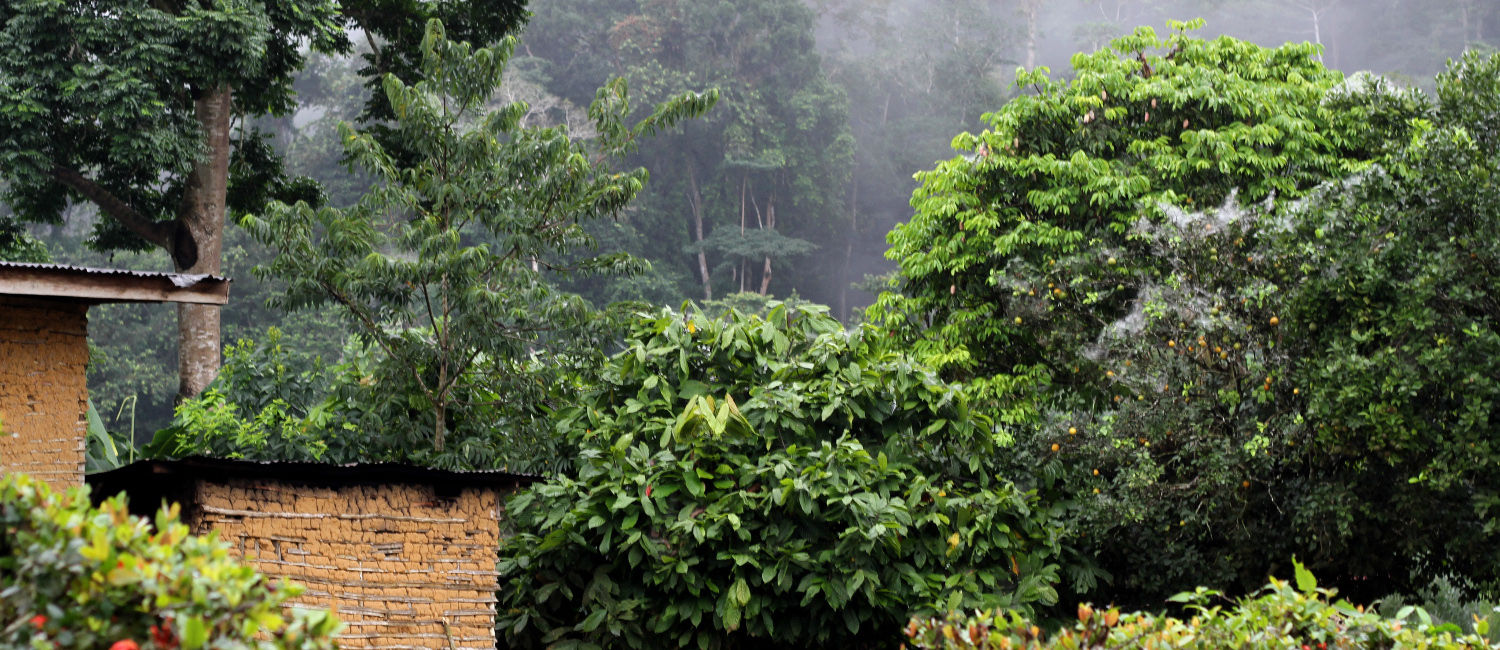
(830, 107)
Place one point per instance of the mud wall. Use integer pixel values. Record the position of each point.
(44, 353)
(403, 566)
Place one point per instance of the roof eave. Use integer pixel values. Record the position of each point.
(62, 282)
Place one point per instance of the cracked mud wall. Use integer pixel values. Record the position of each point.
(44, 356)
(403, 566)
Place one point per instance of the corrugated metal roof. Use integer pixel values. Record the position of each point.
(179, 279)
(146, 472)
(92, 285)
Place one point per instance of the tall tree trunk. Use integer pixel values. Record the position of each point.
(765, 275)
(744, 187)
(1029, 8)
(198, 243)
(695, 200)
(848, 274)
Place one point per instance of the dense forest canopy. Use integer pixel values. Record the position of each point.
(829, 108)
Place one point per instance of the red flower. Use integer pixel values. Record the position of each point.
(163, 636)
(38, 621)
(125, 644)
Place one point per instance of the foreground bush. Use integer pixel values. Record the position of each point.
(73, 576)
(1282, 616)
(831, 494)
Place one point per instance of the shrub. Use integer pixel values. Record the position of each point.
(835, 493)
(275, 404)
(1448, 599)
(74, 576)
(1280, 616)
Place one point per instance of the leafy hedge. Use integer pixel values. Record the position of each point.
(1280, 616)
(73, 576)
(831, 488)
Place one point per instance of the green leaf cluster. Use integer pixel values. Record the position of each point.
(817, 509)
(1219, 348)
(1280, 616)
(1020, 252)
(1309, 378)
(76, 576)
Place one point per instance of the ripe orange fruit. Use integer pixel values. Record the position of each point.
(1056, 447)
(1072, 431)
(1275, 321)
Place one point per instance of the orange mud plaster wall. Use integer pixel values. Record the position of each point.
(44, 353)
(401, 565)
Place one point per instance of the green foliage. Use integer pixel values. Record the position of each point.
(16, 245)
(72, 576)
(1279, 616)
(818, 509)
(444, 266)
(210, 425)
(1318, 369)
(1189, 378)
(272, 403)
(101, 451)
(1447, 600)
(106, 91)
(754, 187)
(1005, 267)
(131, 372)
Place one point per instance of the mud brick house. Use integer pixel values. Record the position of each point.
(44, 352)
(405, 556)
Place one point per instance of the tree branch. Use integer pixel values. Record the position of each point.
(159, 233)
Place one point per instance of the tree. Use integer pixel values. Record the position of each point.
(131, 106)
(1072, 268)
(1309, 377)
(915, 74)
(757, 184)
(1020, 250)
(444, 265)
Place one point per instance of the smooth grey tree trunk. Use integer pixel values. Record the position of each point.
(199, 241)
